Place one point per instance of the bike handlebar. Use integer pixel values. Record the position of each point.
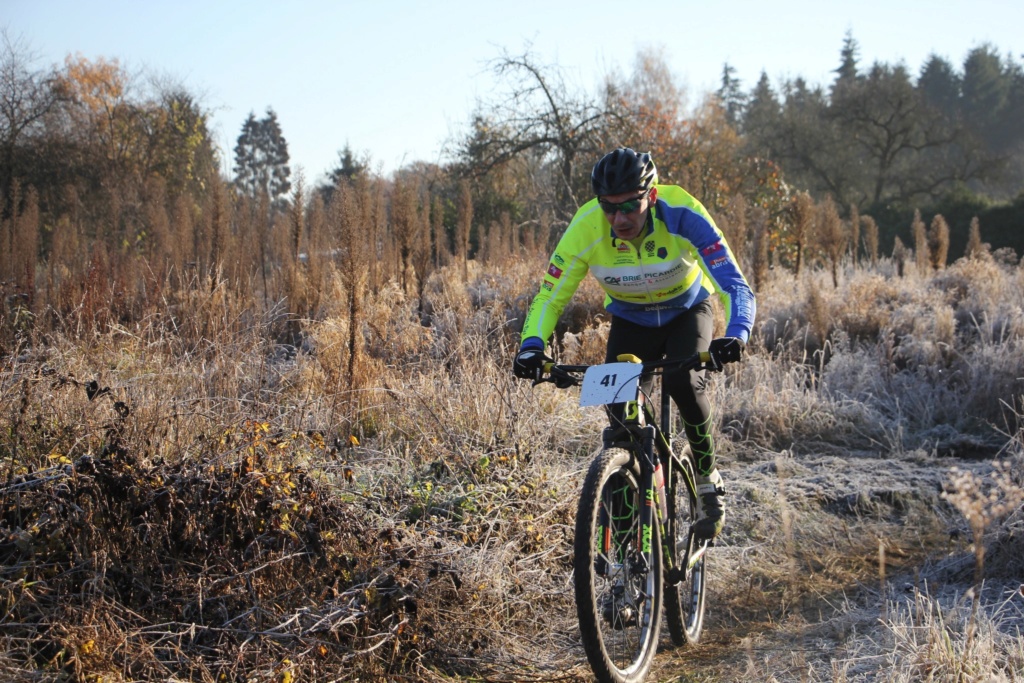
(565, 376)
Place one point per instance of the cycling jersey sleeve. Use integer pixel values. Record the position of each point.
(566, 269)
(692, 221)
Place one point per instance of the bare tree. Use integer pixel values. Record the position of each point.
(538, 119)
(26, 96)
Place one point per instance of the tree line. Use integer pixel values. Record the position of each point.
(110, 181)
(888, 142)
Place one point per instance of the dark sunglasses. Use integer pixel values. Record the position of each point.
(628, 206)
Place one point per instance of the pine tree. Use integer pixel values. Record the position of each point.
(731, 95)
(761, 117)
(261, 159)
(347, 167)
(846, 73)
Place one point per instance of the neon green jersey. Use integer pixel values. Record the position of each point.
(682, 258)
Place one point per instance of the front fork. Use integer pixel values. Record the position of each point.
(652, 483)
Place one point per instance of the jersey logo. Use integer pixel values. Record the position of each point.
(708, 251)
(649, 247)
(554, 271)
(662, 253)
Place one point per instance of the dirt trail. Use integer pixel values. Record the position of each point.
(797, 573)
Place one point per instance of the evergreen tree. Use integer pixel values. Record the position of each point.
(846, 73)
(347, 168)
(731, 95)
(261, 159)
(986, 92)
(761, 118)
(940, 85)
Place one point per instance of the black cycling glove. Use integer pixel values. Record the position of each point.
(726, 350)
(529, 363)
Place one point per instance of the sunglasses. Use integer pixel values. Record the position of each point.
(628, 206)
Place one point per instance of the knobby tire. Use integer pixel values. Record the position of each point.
(684, 601)
(618, 601)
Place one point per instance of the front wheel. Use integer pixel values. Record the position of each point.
(684, 601)
(617, 571)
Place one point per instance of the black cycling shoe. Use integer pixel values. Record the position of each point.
(710, 506)
(711, 516)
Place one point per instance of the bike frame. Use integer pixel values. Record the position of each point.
(649, 442)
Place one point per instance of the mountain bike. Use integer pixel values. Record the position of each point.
(635, 552)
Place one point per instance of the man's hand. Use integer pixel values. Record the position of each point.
(726, 350)
(529, 364)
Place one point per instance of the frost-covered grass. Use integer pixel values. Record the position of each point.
(234, 506)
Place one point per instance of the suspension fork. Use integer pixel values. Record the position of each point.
(652, 483)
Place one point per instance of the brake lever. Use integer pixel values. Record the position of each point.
(710, 363)
(559, 378)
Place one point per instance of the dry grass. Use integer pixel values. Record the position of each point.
(187, 498)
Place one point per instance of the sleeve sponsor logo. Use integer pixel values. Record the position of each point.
(548, 285)
(559, 261)
(708, 251)
(720, 261)
(554, 271)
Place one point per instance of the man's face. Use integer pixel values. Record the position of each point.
(628, 225)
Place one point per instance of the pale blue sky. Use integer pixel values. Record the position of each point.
(397, 79)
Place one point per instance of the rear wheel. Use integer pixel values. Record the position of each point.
(617, 580)
(684, 601)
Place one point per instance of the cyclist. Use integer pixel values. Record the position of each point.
(659, 256)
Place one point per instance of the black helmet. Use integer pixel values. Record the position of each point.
(623, 171)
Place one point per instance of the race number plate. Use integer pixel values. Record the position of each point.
(610, 383)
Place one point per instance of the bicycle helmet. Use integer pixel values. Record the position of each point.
(623, 171)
